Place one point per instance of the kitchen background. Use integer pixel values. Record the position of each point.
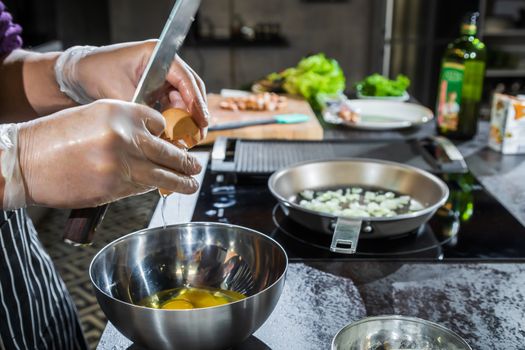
(235, 42)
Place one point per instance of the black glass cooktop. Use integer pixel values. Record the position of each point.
(471, 225)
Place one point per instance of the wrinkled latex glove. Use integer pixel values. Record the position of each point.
(114, 72)
(94, 154)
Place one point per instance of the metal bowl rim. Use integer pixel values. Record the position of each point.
(401, 318)
(412, 215)
(189, 224)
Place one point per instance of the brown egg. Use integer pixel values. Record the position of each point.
(180, 128)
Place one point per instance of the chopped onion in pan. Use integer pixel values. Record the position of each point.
(358, 202)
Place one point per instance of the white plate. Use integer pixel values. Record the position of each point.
(381, 115)
(404, 97)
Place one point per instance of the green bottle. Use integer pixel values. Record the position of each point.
(461, 83)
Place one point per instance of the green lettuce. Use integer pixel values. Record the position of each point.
(378, 85)
(313, 75)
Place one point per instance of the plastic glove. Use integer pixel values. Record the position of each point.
(97, 153)
(88, 73)
(14, 191)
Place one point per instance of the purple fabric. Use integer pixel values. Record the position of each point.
(10, 38)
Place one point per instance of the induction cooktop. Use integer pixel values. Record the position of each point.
(471, 225)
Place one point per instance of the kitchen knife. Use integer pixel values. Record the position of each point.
(276, 119)
(82, 223)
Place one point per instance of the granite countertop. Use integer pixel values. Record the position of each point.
(483, 302)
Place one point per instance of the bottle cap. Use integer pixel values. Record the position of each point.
(469, 23)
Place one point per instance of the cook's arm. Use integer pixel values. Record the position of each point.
(28, 86)
(2, 186)
(44, 161)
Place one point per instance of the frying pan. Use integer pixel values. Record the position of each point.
(425, 188)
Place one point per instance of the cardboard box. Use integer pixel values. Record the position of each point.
(507, 124)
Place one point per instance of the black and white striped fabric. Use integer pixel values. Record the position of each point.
(36, 311)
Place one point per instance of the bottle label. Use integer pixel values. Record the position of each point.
(450, 94)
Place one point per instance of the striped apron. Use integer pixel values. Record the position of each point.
(36, 311)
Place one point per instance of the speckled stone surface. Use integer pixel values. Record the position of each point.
(482, 302)
(485, 304)
(313, 307)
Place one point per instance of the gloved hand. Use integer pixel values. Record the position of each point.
(98, 153)
(114, 71)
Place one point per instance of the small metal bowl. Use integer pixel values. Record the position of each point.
(397, 332)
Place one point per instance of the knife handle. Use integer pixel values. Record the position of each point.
(82, 224)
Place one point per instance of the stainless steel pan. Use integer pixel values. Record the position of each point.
(427, 189)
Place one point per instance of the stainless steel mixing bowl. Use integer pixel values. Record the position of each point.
(199, 254)
(397, 332)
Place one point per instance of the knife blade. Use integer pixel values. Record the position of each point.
(276, 119)
(82, 223)
(153, 80)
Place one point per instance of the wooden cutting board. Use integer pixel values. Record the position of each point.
(310, 130)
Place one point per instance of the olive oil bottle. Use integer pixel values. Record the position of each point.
(461, 83)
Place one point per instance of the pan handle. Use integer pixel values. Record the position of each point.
(346, 236)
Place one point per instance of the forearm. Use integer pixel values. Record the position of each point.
(28, 86)
(2, 185)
